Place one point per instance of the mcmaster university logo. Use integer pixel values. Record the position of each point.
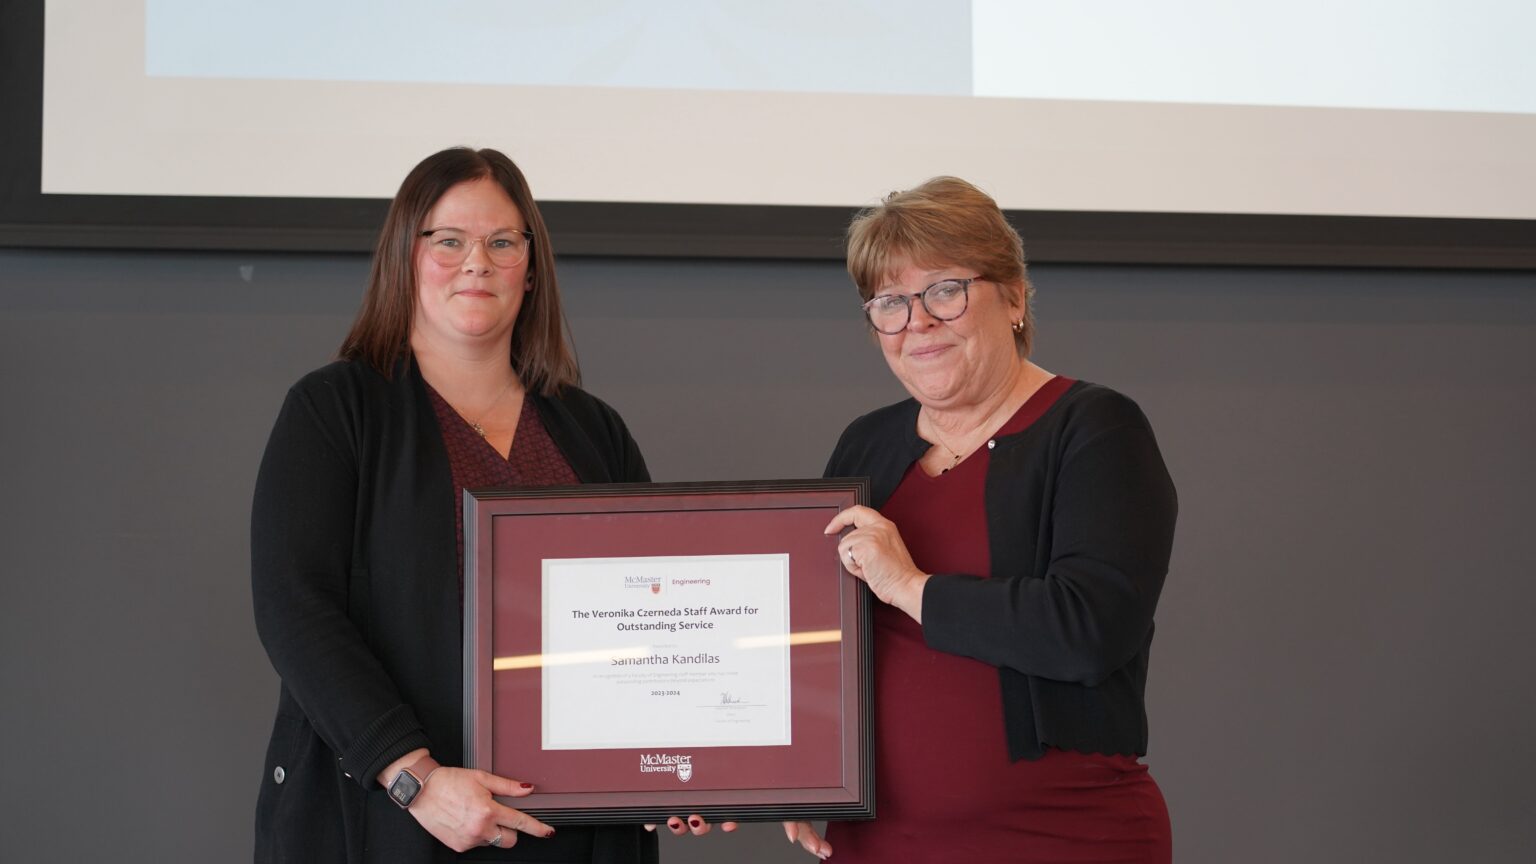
(651, 582)
(667, 763)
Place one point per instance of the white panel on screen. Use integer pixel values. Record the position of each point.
(1417, 55)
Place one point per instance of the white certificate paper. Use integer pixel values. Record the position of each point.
(684, 651)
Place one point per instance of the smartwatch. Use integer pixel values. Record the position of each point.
(409, 782)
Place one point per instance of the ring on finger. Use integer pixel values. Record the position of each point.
(496, 841)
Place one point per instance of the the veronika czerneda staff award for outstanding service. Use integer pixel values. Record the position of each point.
(641, 651)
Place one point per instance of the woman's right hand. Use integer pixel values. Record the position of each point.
(806, 836)
(456, 806)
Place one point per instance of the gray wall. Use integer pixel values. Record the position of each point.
(1342, 665)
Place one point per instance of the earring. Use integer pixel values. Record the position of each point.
(1018, 326)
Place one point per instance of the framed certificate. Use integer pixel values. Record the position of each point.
(641, 651)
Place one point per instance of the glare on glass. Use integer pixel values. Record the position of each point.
(450, 246)
(945, 300)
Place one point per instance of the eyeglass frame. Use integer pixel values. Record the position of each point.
(965, 293)
(484, 243)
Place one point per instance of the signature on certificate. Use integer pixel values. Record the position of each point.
(728, 698)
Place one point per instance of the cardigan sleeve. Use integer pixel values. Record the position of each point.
(302, 523)
(1090, 612)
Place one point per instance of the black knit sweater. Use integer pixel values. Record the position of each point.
(1080, 517)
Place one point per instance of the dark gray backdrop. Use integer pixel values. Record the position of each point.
(1342, 665)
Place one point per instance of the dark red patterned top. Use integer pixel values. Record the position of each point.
(533, 461)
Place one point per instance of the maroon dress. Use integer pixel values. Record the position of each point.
(945, 788)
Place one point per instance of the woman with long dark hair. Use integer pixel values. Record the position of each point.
(457, 373)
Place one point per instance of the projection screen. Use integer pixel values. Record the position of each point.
(1363, 112)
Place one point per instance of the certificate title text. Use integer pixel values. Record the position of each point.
(671, 620)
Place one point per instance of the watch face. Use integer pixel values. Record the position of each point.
(404, 788)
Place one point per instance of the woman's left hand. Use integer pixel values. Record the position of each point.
(874, 552)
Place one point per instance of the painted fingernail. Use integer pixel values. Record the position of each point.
(550, 834)
(695, 823)
(526, 785)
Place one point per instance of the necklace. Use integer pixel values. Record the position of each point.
(1009, 405)
(480, 430)
(956, 455)
(952, 451)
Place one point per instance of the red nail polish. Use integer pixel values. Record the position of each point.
(694, 822)
(550, 834)
(526, 785)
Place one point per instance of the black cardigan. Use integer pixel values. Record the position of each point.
(354, 574)
(1080, 515)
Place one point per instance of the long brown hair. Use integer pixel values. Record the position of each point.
(541, 348)
(944, 222)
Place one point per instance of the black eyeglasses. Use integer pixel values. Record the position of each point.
(450, 246)
(945, 300)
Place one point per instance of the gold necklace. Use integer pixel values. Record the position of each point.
(480, 430)
(985, 425)
(952, 451)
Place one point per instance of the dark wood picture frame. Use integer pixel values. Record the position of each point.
(825, 772)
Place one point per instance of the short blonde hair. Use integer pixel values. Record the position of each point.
(944, 222)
